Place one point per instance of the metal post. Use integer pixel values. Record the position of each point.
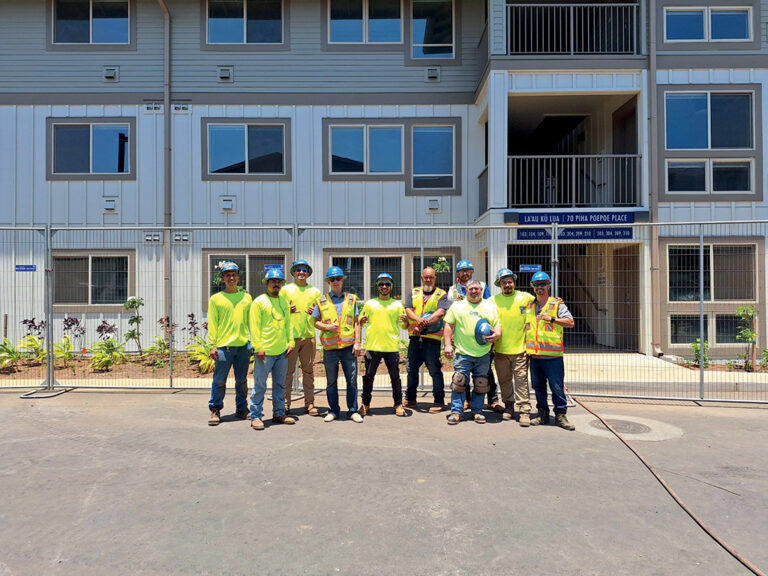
(49, 376)
(555, 261)
(170, 308)
(421, 256)
(701, 312)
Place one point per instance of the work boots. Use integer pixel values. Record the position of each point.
(562, 421)
(215, 417)
(541, 418)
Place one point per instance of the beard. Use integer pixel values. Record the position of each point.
(428, 289)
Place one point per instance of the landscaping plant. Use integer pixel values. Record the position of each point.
(106, 354)
(9, 355)
(33, 347)
(199, 352)
(134, 303)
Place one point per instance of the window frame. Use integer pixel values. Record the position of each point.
(285, 176)
(712, 271)
(706, 44)
(668, 9)
(53, 122)
(53, 46)
(245, 46)
(753, 154)
(406, 176)
(454, 57)
(208, 253)
(709, 164)
(365, 42)
(367, 278)
(89, 308)
(367, 150)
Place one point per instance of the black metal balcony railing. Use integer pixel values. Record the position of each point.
(574, 181)
(572, 29)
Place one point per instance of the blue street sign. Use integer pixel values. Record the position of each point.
(268, 267)
(576, 234)
(530, 267)
(26, 267)
(576, 217)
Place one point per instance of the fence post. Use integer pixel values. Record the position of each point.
(701, 312)
(49, 376)
(555, 261)
(170, 238)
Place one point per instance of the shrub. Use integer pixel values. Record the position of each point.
(9, 355)
(700, 355)
(64, 351)
(134, 303)
(33, 348)
(199, 352)
(106, 354)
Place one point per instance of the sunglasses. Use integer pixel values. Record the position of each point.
(540, 284)
(335, 279)
(387, 284)
(302, 270)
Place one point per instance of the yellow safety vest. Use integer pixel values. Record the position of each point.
(419, 308)
(543, 338)
(346, 335)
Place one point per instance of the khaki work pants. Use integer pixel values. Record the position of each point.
(512, 371)
(304, 352)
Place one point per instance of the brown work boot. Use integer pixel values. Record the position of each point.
(311, 410)
(542, 418)
(497, 407)
(562, 421)
(509, 413)
(399, 410)
(436, 408)
(283, 420)
(525, 419)
(257, 424)
(364, 410)
(215, 418)
(412, 404)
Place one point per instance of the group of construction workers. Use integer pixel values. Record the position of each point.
(514, 330)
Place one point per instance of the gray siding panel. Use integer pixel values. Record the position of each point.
(26, 65)
(497, 26)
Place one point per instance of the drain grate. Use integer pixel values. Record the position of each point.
(622, 426)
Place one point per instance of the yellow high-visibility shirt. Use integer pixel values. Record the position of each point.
(512, 318)
(228, 319)
(382, 332)
(302, 324)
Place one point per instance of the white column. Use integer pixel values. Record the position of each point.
(497, 139)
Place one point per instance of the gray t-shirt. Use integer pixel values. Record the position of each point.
(442, 304)
(562, 310)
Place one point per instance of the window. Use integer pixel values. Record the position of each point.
(433, 157)
(701, 24)
(246, 149)
(729, 272)
(91, 22)
(432, 29)
(684, 328)
(87, 148)
(708, 120)
(710, 176)
(88, 279)
(365, 22)
(245, 22)
(253, 268)
(361, 273)
(366, 149)
(727, 327)
(424, 153)
(444, 279)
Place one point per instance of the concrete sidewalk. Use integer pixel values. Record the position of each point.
(137, 483)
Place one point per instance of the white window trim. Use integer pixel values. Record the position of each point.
(245, 28)
(712, 299)
(367, 149)
(709, 119)
(452, 44)
(707, 16)
(90, 29)
(713, 322)
(366, 20)
(679, 345)
(709, 175)
(413, 162)
(129, 167)
(245, 126)
(109, 254)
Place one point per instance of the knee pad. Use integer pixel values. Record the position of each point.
(459, 382)
(482, 385)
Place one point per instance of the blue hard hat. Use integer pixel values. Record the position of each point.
(504, 272)
(483, 328)
(303, 263)
(432, 328)
(334, 272)
(228, 266)
(541, 277)
(273, 273)
(464, 265)
(384, 276)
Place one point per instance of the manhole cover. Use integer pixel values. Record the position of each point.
(622, 426)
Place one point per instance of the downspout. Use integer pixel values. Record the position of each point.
(653, 191)
(166, 155)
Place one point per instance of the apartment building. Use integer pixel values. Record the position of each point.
(267, 129)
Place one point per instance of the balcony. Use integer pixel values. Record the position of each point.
(572, 29)
(574, 181)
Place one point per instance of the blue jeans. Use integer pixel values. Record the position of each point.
(425, 351)
(229, 356)
(469, 365)
(278, 365)
(331, 359)
(549, 368)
